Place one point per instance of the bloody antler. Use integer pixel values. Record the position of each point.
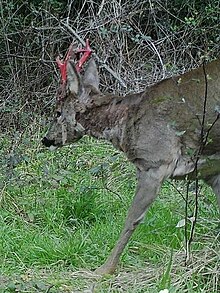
(86, 53)
(63, 64)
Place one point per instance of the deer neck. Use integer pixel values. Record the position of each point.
(105, 117)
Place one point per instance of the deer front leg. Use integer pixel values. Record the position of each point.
(148, 186)
(214, 182)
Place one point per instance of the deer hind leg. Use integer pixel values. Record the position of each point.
(149, 183)
(214, 182)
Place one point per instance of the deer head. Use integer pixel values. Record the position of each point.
(73, 96)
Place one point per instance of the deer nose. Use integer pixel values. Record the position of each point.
(48, 142)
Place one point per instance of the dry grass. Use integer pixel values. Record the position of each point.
(204, 269)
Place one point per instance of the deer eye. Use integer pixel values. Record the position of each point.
(58, 114)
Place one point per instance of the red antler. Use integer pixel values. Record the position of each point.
(86, 53)
(63, 64)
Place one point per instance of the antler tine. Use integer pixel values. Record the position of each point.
(86, 54)
(62, 64)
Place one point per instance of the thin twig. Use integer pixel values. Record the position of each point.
(203, 142)
(187, 257)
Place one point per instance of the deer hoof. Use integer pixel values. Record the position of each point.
(105, 270)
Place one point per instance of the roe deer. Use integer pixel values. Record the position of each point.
(159, 130)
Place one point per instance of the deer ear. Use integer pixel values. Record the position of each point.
(91, 76)
(73, 80)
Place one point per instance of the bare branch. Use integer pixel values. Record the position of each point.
(112, 72)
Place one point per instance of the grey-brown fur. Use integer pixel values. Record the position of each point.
(159, 130)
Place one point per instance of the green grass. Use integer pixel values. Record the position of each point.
(61, 214)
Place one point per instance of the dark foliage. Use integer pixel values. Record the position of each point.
(142, 41)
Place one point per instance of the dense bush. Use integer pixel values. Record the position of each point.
(142, 41)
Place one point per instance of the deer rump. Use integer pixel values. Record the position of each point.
(170, 130)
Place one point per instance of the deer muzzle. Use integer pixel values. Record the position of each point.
(48, 142)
